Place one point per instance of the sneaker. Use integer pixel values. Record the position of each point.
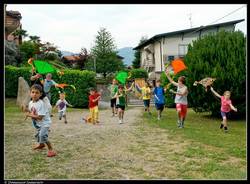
(65, 122)
(221, 126)
(158, 118)
(178, 123)
(51, 115)
(225, 129)
(120, 121)
(51, 153)
(38, 147)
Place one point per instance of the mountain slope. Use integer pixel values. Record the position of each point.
(128, 54)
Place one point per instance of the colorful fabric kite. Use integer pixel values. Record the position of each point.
(62, 86)
(43, 67)
(206, 82)
(176, 66)
(122, 77)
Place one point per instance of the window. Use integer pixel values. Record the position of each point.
(183, 48)
(170, 58)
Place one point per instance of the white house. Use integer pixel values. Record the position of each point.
(163, 48)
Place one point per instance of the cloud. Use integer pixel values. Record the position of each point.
(74, 26)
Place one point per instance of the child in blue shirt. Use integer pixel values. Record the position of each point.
(159, 98)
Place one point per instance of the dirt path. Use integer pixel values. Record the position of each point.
(112, 150)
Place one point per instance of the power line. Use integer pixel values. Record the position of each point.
(202, 27)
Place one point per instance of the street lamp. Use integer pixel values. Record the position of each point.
(95, 63)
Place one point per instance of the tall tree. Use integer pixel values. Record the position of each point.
(20, 34)
(104, 54)
(137, 60)
(35, 39)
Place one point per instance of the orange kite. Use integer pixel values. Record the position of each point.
(178, 65)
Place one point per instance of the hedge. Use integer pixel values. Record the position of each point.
(82, 80)
(138, 73)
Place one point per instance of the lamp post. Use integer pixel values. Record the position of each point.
(95, 64)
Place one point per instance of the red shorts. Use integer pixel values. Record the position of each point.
(182, 108)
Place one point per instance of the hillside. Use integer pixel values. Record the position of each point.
(128, 54)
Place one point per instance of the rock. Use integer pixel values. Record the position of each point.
(23, 95)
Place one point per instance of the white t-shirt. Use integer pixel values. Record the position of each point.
(181, 99)
(39, 108)
(62, 104)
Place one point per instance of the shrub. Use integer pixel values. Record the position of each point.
(222, 56)
(138, 73)
(82, 80)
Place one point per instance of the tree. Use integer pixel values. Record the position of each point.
(222, 56)
(137, 60)
(83, 58)
(104, 55)
(35, 39)
(28, 49)
(20, 33)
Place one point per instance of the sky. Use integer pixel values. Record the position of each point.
(73, 26)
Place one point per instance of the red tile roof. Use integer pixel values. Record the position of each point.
(71, 58)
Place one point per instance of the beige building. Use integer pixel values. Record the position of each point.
(162, 48)
(12, 23)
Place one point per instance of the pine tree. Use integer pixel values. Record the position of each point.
(104, 54)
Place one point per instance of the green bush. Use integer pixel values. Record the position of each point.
(82, 80)
(222, 56)
(138, 73)
(11, 79)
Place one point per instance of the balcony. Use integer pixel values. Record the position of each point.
(148, 63)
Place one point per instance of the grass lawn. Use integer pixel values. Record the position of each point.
(223, 154)
(145, 149)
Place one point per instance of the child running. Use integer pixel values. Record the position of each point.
(159, 98)
(146, 95)
(180, 98)
(226, 106)
(47, 84)
(37, 112)
(121, 101)
(62, 104)
(113, 88)
(94, 97)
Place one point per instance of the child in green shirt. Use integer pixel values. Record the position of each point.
(121, 101)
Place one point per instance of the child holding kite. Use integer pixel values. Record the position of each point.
(146, 95)
(121, 100)
(94, 97)
(180, 98)
(38, 112)
(159, 98)
(113, 88)
(62, 104)
(47, 84)
(226, 106)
